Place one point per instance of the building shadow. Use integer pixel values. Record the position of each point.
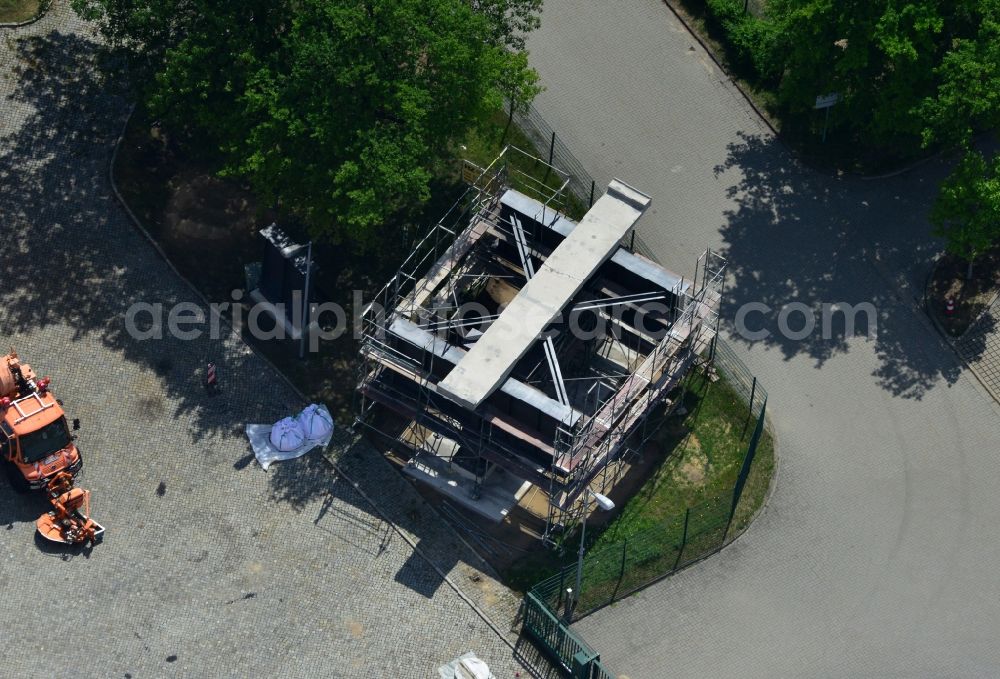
(346, 510)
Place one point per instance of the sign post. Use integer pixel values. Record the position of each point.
(826, 101)
(305, 304)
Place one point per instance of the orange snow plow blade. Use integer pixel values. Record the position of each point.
(69, 521)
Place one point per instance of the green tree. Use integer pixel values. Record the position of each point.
(908, 71)
(967, 210)
(336, 110)
(519, 84)
(512, 19)
(879, 55)
(968, 76)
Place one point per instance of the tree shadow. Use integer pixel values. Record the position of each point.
(72, 258)
(797, 236)
(975, 342)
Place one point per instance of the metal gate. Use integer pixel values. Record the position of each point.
(561, 643)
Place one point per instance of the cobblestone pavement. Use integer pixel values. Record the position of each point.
(211, 567)
(877, 554)
(980, 347)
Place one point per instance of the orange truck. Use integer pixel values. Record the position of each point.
(35, 439)
(41, 453)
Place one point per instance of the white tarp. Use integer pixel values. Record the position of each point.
(473, 668)
(467, 666)
(288, 428)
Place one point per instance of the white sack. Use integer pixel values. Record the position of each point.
(315, 422)
(266, 452)
(287, 435)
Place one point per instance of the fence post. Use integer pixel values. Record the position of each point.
(684, 539)
(552, 150)
(562, 578)
(748, 459)
(753, 392)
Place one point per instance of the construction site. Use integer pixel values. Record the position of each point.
(520, 358)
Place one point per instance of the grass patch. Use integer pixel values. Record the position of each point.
(701, 454)
(207, 227)
(706, 449)
(16, 11)
(528, 174)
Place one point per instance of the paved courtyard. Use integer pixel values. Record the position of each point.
(980, 347)
(211, 566)
(877, 554)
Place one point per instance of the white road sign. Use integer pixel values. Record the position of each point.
(827, 100)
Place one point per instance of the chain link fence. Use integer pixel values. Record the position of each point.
(739, 377)
(613, 572)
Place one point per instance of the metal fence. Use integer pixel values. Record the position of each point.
(613, 572)
(587, 190)
(738, 376)
(563, 645)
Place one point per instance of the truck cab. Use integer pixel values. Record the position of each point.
(35, 439)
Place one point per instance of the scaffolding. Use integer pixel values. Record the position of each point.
(567, 412)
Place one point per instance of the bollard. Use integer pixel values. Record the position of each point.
(211, 380)
(949, 307)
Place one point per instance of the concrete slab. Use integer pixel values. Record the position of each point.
(557, 281)
(641, 266)
(496, 496)
(512, 387)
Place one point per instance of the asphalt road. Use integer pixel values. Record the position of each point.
(877, 554)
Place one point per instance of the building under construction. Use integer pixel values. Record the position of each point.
(518, 354)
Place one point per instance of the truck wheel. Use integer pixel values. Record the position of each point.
(16, 478)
